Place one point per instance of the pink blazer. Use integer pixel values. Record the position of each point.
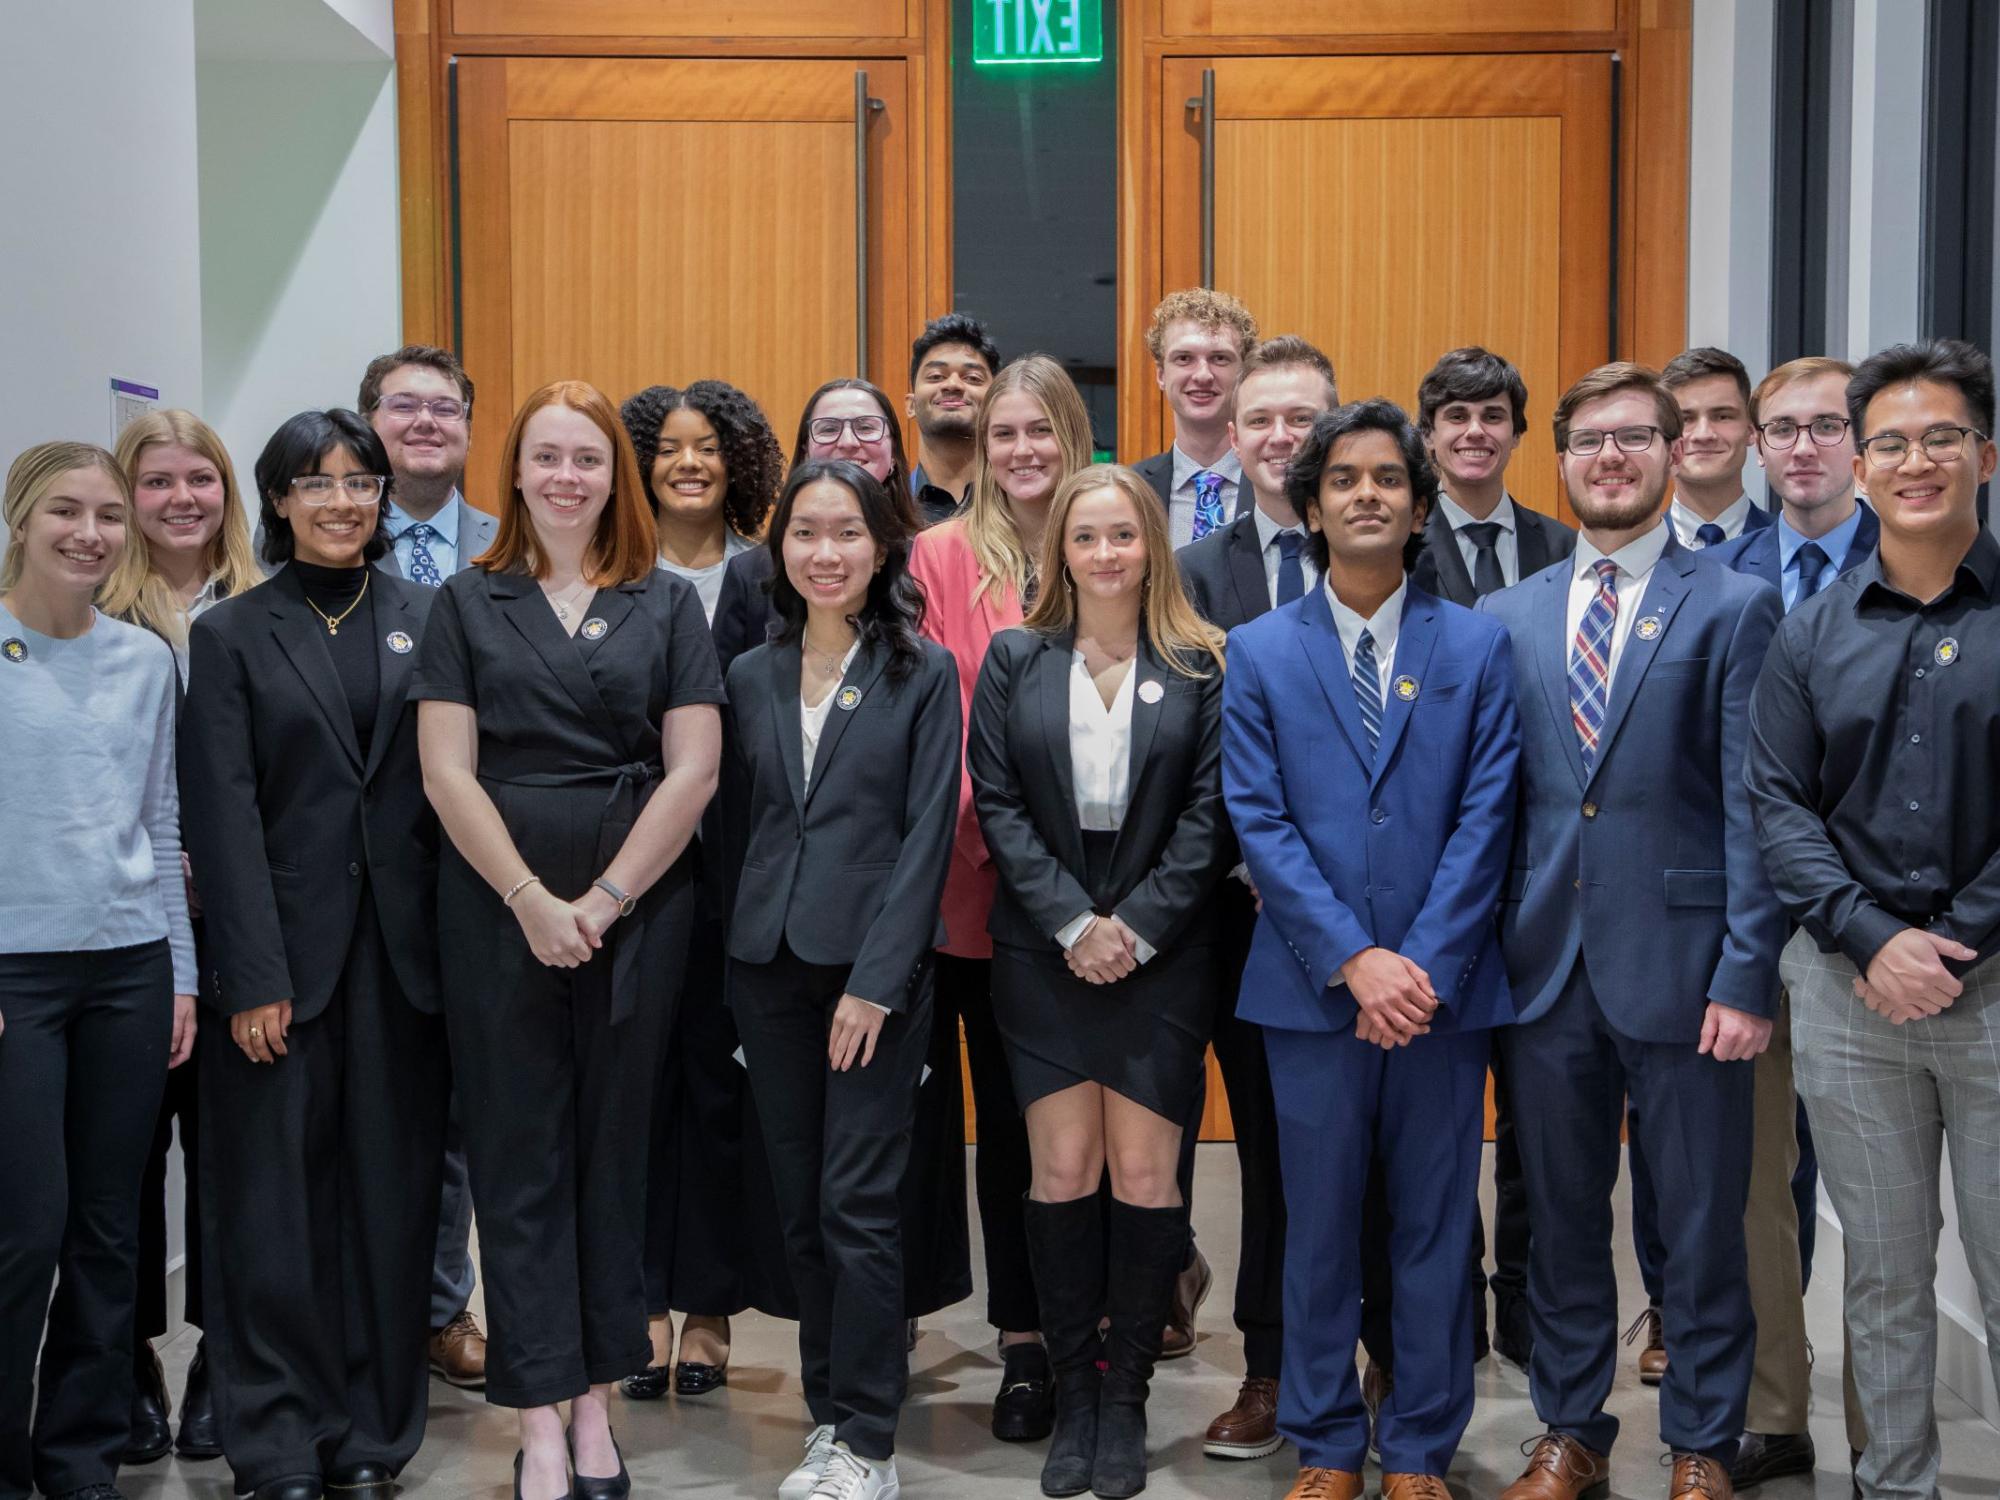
(942, 562)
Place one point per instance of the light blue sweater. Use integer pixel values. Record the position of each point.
(88, 801)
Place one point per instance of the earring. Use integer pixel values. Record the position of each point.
(1068, 582)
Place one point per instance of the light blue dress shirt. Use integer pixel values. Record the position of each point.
(1834, 544)
(443, 546)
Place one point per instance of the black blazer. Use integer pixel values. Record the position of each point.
(1224, 573)
(849, 870)
(1158, 471)
(1440, 568)
(281, 815)
(744, 618)
(1175, 844)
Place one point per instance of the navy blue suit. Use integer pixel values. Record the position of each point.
(1637, 896)
(1403, 848)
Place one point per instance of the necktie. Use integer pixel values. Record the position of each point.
(1486, 575)
(1812, 561)
(1590, 661)
(423, 566)
(1368, 688)
(1291, 572)
(1709, 534)
(1207, 502)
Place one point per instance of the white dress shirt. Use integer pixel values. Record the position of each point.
(1268, 532)
(1636, 561)
(1383, 627)
(1687, 521)
(1100, 762)
(812, 721)
(1506, 546)
(1180, 501)
(207, 599)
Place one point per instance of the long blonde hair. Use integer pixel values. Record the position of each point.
(33, 474)
(989, 523)
(1169, 621)
(135, 590)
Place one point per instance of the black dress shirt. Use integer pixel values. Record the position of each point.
(1875, 733)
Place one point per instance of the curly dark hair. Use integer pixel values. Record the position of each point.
(751, 458)
(1315, 452)
(893, 613)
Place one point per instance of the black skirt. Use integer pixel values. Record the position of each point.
(1144, 1036)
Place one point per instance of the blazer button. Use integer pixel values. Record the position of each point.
(1378, 816)
(1590, 809)
(353, 868)
(1576, 885)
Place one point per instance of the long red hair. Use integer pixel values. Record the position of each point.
(626, 545)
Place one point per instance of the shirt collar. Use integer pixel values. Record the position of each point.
(1834, 544)
(1980, 567)
(444, 523)
(1383, 626)
(1731, 520)
(1268, 530)
(1457, 517)
(1229, 466)
(1635, 559)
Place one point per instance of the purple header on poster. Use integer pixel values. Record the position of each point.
(133, 388)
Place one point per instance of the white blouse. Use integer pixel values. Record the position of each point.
(812, 721)
(1100, 747)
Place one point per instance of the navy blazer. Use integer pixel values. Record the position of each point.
(1405, 849)
(1649, 867)
(1756, 552)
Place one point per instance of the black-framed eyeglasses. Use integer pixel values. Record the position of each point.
(826, 430)
(409, 408)
(1783, 433)
(318, 489)
(1942, 445)
(1585, 441)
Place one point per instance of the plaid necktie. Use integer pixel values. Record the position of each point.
(1207, 502)
(423, 566)
(1368, 688)
(1590, 661)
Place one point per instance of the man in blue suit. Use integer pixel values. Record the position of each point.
(1369, 745)
(1641, 939)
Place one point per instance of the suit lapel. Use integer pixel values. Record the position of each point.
(1054, 663)
(1452, 577)
(783, 661)
(1867, 536)
(860, 679)
(1416, 635)
(1664, 592)
(302, 636)
(1246, 569)
(1321, 643)
(613, 606)
(528, 611)
(1551, 629)
(393, 670)
(1531, 541)
(1762, 556)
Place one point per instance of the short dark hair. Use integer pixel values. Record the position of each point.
(893, 612)
(296, 448)
(954, 328)
(429, 355)
(1951, 362)
(1471, 374)
(1310, 461)
(1700, 363)
(1287, 351)
(752, 461)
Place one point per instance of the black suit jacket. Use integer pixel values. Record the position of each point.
(1440, 568)
(1224, 574)
(282, 816)
(1158, 471)
(849, 870)
(1175, 843)
(743, 615)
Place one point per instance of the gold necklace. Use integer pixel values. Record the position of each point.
(333, 621)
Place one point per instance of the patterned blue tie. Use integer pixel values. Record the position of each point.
(1207, 502)
(1291, 572)
(1708, 534)
(1812, 561)
(1368, 688)
(423, 566)
(1590, 661)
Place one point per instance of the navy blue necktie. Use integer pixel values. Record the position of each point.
(1709, 534)
(1812, 561)
(1368, 688)
(1291, 572)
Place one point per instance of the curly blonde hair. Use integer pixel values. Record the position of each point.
(1206, 308)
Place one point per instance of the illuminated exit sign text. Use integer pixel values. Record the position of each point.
(1037, 31)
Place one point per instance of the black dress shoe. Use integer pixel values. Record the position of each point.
(152, 1435)
(92, 1492)
(584, 1487)
(200, 1435)
(346, 1479)
(566, 1495)
(1513, 1333)
(691, 1379)
(1025, 1409)
(650, 1384)
(292, 1487)
(1771, 1455)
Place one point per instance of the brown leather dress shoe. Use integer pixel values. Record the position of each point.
(1190, 1291)
(1653, 1353)
(1414, 1487)
(1698, 1478)
(458, 1353)
(1561, 1468)
(1325, 1484)
(1249, 1429)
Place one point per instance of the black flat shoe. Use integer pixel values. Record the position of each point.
(152, 1435)
(291, 1487)
(691, 1379)
(650, 1384)
(1025, 1409)
(347, 1479)
(585, 1487)
(200, 1435)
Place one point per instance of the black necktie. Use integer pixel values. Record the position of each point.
(1291, 572)
(1486, 575)
(1812, 561)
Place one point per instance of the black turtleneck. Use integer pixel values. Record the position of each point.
(355, 660)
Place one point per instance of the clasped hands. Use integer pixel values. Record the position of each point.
(1107, 951)
(1907, 979)
(564, 934)
(1395, 997)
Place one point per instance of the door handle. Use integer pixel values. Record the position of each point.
(863, 108)
(1204, 105)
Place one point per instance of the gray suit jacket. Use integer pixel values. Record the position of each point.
(476, 530)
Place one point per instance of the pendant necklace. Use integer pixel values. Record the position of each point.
(333, 621)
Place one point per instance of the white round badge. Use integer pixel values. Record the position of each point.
(1648, 628)
(594, 628)
(1151, 692)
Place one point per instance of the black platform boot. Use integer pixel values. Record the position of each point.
(151, 1436)
(1147, 1248)
(1066, 1250)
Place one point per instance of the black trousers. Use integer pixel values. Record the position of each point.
(1001, 1169)
(320, 1177)
(838, 1145)
(82, 1064)
(179, 1103)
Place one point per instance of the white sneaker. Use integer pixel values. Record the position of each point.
(799, 1483)
(849, 1476)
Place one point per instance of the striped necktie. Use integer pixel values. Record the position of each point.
(1368, 688)
(1590, 661)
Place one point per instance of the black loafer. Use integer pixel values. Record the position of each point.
(1025, 1409)
(200, 1434)
(691, 1379)
(346, 1479)
(650, 1384)
(152, 1435)
(1771, 1455)
(584, 1487)
(292, 1487)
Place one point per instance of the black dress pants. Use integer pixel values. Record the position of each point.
(180, 1103)
(82, 1065)
(320, 1177)
(838, 1144)
(1001, 1168)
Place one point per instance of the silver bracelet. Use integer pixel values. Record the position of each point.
(518, 887)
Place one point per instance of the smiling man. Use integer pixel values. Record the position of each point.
(1712, 389)
(1199, 340)
(952, 362)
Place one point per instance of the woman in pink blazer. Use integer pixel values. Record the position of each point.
(976, 571)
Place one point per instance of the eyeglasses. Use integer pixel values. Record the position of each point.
(1784, 433)
(317, 489)
(1588, 440)
(1941, 445)
(409, 408)
(826, 430)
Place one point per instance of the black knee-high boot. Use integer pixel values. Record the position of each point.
(1147, 1248)
(1066, 1252)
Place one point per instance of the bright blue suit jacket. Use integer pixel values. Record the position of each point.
(1756, 552)
(1403, 850)
(1649, 866)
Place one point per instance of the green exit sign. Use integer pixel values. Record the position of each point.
(1037, 31)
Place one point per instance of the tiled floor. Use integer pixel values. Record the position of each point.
(740, 1441)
